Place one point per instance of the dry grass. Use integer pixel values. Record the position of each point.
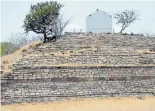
(8, 60)
(72, 64)
(72, 52)
(63, 53)
(103, 104)
(144, 51)
(92, 65)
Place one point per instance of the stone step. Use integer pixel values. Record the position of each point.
(82, 73)
(54, 91)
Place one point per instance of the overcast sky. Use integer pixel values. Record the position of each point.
(13, 14)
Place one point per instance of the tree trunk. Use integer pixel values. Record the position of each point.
(45, 37)
(122, 29)
(44, 31)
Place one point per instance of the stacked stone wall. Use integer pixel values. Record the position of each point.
(82, 66)
(42, 84)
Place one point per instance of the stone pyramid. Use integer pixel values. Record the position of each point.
(83, 66)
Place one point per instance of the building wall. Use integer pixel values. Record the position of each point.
(99, 22)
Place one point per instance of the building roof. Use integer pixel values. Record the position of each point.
(98, 11)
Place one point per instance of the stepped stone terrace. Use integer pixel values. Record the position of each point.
(80, 65)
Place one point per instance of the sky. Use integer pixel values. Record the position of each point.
(13, 13)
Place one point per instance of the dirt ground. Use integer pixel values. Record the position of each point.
(106, 104)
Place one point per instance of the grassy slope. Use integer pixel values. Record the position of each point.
(8, 60)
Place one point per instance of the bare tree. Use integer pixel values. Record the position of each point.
(36, 38)
(59, 26)
(126, 18)
(19, 39)
(41, 38)
(14, 38)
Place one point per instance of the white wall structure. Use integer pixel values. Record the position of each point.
(99, 22)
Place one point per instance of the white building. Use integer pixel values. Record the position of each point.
(99, 22)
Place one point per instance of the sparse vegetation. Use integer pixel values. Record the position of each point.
(125, 18)
(6, 48)
(8, 60)
(42, 18)
(60, 26)
(16, 41)
(3, 48)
